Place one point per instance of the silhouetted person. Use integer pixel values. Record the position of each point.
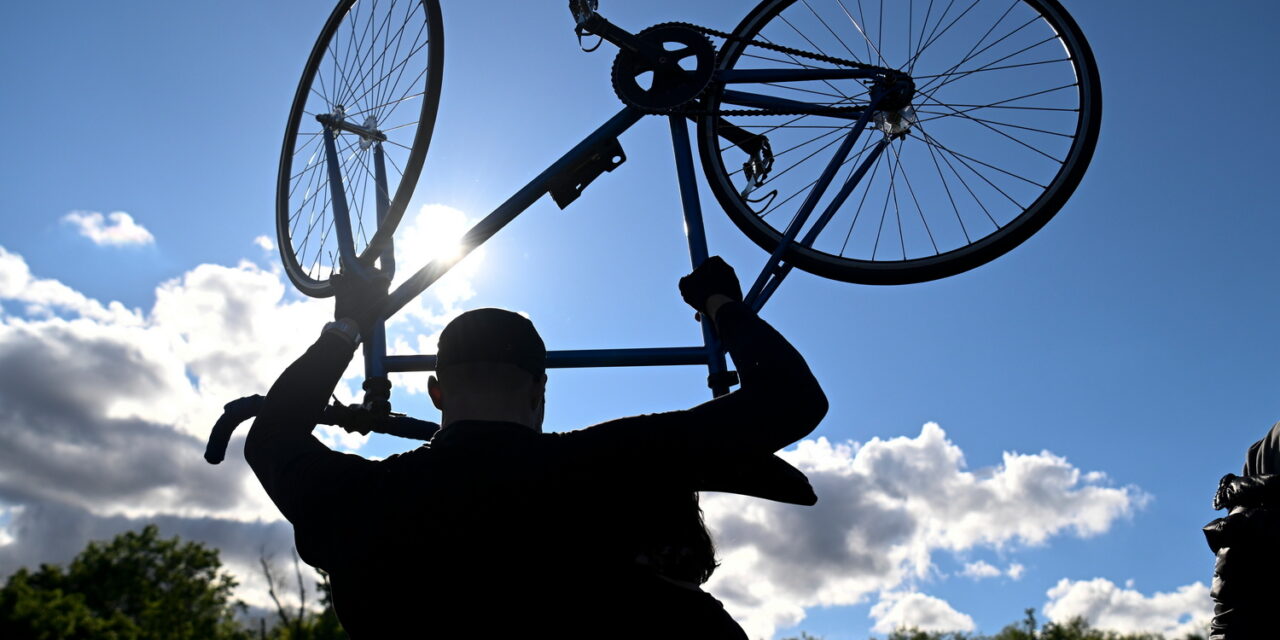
(495, 529)
(1246, 576)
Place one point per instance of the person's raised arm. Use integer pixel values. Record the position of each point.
(724, 444)
(293, 465)
(780, 401)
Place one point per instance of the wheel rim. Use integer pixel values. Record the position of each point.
(1001, 128)
(378, 66)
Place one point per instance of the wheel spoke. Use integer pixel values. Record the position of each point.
(866, 190)
(1015, 140)
(919, 210)
(973, 52)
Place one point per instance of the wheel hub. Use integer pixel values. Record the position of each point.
(894, 114)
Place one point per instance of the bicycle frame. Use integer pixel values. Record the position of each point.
(600, 151)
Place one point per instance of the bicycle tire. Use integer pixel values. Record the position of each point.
(1074, 108)
(345, 83)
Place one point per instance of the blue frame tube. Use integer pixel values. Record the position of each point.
(695, 231)
(341, 215)
(375, 346)
(810, 202)
(571, 359)
(732, 76)
(811, 235)
(507, 211)
(744, 99)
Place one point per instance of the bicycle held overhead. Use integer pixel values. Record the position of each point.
(982, 117)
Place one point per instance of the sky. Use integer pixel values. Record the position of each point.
(1044, 431)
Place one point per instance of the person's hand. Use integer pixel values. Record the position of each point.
(714, 277)
(1244, 491)
(1222, 498)
(359, 299)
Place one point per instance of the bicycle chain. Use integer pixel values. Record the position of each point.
(707, 31)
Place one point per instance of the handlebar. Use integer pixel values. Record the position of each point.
(353, 418)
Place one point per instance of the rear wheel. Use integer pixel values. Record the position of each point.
(1002, 125)
(376, 65)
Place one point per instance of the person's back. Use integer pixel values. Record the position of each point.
(498, 529)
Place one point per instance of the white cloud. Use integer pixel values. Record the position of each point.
(919, 611)
(884, 508)
(43, 296)
(979, 570)
(1106, 606)
(264, 243)
(104, 410)
(116, 229)
(1015, 571)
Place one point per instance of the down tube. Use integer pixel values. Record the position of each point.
(507, 211)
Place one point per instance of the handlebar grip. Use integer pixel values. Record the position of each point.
(233, 413)
(239, 410)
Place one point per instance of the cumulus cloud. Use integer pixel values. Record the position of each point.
(1015, 571)
(104, 410)
(43, 296)
(979, 570)
(1107, 606)
(911, 610)
(885, 507)
(264, 243)
(116, 229)
(982, 569)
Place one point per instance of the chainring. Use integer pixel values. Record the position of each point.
(638, 83)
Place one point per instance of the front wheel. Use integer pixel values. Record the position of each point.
(378, 67)
(997, 135)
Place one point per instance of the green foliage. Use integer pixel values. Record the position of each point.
(302, 624)
(135, 587)
(1029, 629)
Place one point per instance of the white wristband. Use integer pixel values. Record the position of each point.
(346, 328)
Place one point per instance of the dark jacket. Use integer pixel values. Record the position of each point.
(494, 529)
(1246, 573)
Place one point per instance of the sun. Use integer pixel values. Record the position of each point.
(435, 233)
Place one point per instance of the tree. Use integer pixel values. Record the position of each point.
(135, 587)
(301, 624)
(1029, 629)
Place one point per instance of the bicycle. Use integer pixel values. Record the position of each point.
(791, 76)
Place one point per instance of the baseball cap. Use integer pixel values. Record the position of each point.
(492, 335)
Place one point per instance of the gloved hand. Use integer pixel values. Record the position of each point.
(1222, 497)
(713, 276)
(359, 299)
(1245, 491)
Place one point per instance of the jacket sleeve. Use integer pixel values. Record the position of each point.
(725, 444)
(312, 485)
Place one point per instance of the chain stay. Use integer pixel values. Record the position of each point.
(707, 31)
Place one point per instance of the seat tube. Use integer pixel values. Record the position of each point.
(697, 236)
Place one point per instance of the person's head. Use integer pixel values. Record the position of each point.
(491, 365)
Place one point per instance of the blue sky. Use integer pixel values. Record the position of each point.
(1133, 336)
